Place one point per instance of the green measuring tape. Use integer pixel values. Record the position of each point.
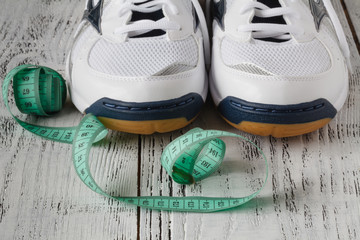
(190, 158)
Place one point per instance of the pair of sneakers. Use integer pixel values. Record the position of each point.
(278, 67)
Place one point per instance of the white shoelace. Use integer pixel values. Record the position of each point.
(144, 26)
(282, 31)
(269, 30)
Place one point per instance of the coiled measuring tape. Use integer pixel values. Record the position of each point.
(190, 158)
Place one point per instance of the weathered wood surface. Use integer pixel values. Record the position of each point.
(353, 16)
(40, 195)
(313, 190)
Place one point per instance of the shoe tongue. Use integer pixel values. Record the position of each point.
(275, 20)
(154, 16)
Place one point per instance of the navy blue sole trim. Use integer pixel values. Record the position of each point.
(236, 111)
(187, 107)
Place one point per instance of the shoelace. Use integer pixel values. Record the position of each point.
(144, 26)
(270, 30)
(283, 32)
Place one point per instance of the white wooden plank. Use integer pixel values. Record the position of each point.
(40, 195)
(353, 10)
(314, 184)
(313, 190)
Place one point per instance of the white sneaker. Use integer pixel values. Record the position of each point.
(139, 65)
(278, 67)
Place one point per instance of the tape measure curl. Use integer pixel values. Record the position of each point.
(39, 91)
(190, 158)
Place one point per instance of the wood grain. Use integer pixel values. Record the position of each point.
(313, 189)
(353, 16)
(40, 195)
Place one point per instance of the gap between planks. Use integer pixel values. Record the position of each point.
(351, 25)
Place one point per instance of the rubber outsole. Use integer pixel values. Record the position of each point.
(276, 120)
(149, 117)
(145, 127)
(279, 130)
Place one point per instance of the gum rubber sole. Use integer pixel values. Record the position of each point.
(277, 120)
(147, 117)
(279, 130)
(145, 127)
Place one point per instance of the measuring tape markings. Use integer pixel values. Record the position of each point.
(27, 99)
(188, 159)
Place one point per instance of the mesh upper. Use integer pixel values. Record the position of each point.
(142, 57)
(286, 59)
(154, 56)
(250, 68)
